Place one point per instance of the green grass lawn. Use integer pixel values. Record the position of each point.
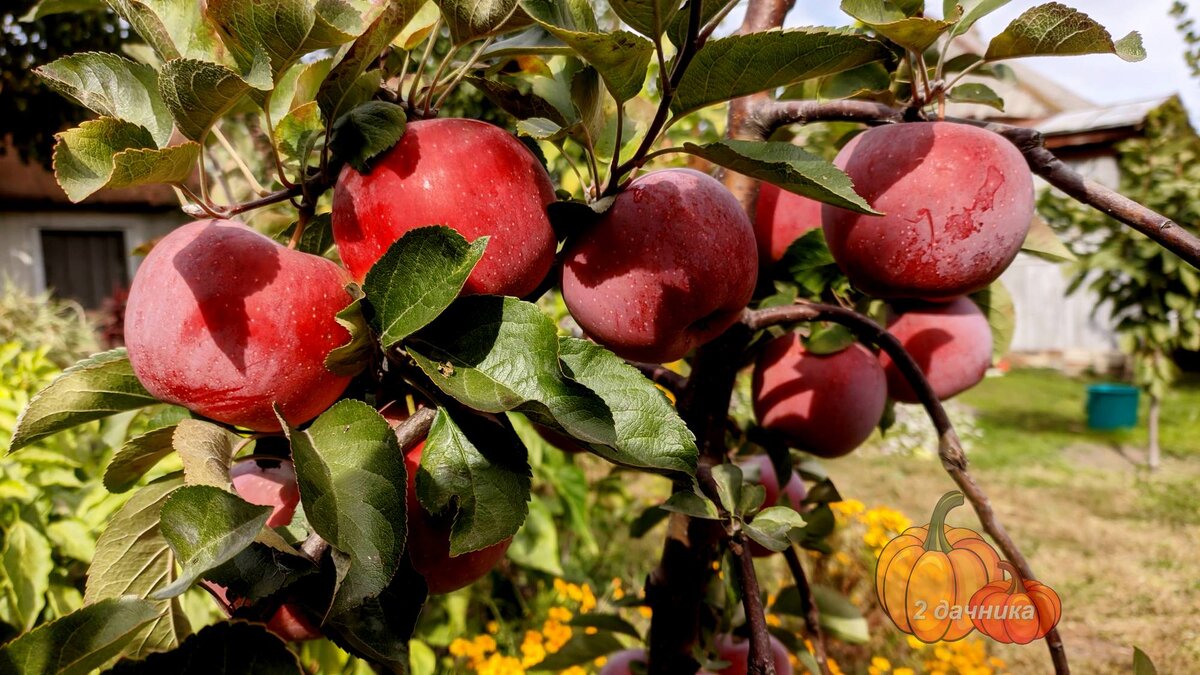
(1118, 543)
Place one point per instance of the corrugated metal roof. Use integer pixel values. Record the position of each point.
(1095, 119)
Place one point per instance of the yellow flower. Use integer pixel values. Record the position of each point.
(645, 611)
(834, 669)
(573, 670)
(881, 663)
(915, 643)
(773, 620)
(591, 630)
(848, 507)
(560, 614)
(903, 671)
(556, 634)
(588, 601)
(599, 661)
(532, 651)
(500, 665)
(493, 627)
(618, 594)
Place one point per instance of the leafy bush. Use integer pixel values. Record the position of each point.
(59, 327)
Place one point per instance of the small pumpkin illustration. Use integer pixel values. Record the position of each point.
(927, 575)
(1017, 611)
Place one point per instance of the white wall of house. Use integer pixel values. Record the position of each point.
(21, 244)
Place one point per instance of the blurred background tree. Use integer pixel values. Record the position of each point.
(30, 112)
(1154, 295)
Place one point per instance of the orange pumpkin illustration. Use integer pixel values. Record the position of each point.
(1016, 611)
(927, 575)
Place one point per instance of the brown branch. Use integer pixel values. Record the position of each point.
(769, 115)
(808, 604)
(416, 427)
(659, 374)
(950, 451)
(761, 661)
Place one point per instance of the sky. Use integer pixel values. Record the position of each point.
(1104, 79)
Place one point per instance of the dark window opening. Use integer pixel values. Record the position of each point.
(84, 265)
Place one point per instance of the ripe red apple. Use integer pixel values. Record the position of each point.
(781, 218)
(667, 268)
(951, 343)
(823, 404)
(224, 321)
(737, 652)
(429, 542)
(268, 481)
(467, 175)
(958, 202)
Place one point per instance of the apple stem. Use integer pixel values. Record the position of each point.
(305, 215)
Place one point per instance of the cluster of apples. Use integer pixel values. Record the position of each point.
(958, 202)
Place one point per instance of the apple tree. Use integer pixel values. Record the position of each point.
(349, 389)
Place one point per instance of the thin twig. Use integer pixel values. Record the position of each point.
(659, 374)
(241, 164)
(760, 661)
(414, 429)
(416, 83)
(462, 72)
(950, 451)
(808, 605)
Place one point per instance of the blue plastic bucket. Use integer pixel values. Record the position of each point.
(1112, 406)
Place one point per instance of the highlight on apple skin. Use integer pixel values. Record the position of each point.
(668, 267)
(226, 322)
(826, 405)
(952, 344)
(958, 201)
(467, 175)
(782, 217)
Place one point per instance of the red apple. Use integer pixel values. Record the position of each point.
(667, 268)
(951, 343)
(782, 217)
(429, 542)
(621, 663)
(226, 322)
(464, 174)
(958, 202)
(267, 481)
(823, 404)
(737, 652)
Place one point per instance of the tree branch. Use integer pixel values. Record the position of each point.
(769, 115)
(950, 451)
(661, 375)
(761, 661)
(412, 430)
(808, 604)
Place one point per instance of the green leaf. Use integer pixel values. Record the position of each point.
(535, 545)
(498, 354)
(206, 526)
(911, 32)
(612, 623)
(283, 30)
(25, 567)
(51, 7)
(418, 278)
(107, 152)
(648, 17)
(516, 103)
(112, 86)
(753, 498)
(771, 527)
(137, 456)
(226, 648)
(649, 432)
(133, 558)
(352, 357)
(1142, 665)
(839, 616)
(206, 451)
(471, 19)
(80, 642)
(199, 93)
(972, 11)
(362, 53)
(298, 131)
(829, 339)
(540, 128)
(740, 65)
(677, 27)
(728, 478)
(581, 648)
(691, 504)
(352, 486)
(488, 481)
(620, 57)
(173, 28)
(787, 166)
(1042, 241)
(974, 92)
(258, 572)
(96, 387)
(317, 238)
(997, 305)
(366, 132)
(381, 628)
(1054, 29)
